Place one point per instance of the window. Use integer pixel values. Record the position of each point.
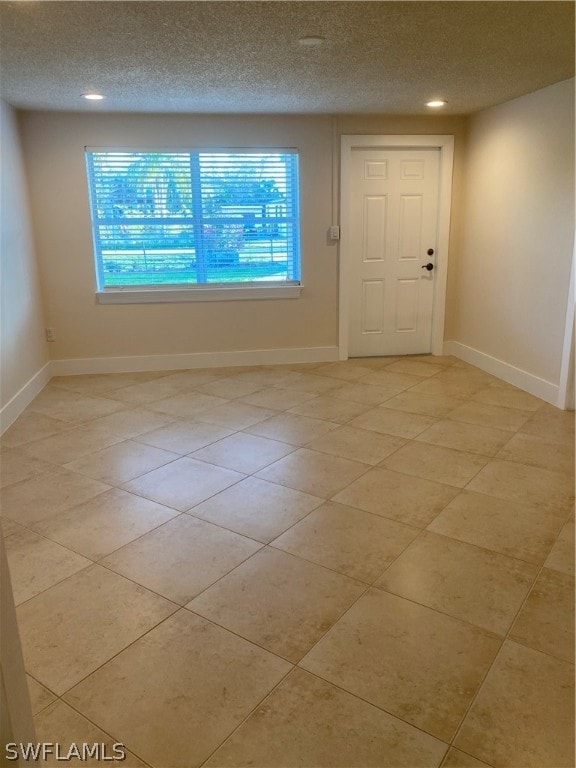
(194, 220)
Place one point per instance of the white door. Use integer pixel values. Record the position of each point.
(393, 243)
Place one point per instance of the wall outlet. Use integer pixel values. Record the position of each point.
(50, 335)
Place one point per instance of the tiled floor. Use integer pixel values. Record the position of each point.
(366, 564)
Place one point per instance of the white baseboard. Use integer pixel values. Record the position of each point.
(76, 367)
(546, 390)
(14, 407)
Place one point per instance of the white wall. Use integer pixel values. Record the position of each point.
(54, 148)
(510, 289)
(22, 345)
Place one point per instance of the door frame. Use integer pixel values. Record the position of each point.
(349, 143)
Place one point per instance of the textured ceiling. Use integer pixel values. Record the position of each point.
(245, 57)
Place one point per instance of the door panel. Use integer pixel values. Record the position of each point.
(406, 305)
(374, 228)
(394, 207)
(410, 227)
(372, 306)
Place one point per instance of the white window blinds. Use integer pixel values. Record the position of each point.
(194, 218)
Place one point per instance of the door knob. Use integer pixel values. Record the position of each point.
(428, 266)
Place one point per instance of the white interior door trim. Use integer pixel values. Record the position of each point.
(446, 146)
(566, 385)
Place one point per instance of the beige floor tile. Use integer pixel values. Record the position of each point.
(331, 409)
(272, 376)
(40, 697)
(151, 391)
(346, 370)
(184, 436)
(468, 374)
(457, 759)
(122, 462)
(31, 426)
(472, 584)
(546, 621)
(374, 363)
(277, 399)
(181, 558)
(551, 424)
(187, 404)
(60, 724)
(9, 527)
(101, 383)
(298, 367)
(179, 691)
(71, 406)
(444, 360)
(512, 528)
(312, 472)
(256, 508)
(279, 602)
(363, 393)
(508, 397)
(495, 416)
(37, 564)
(192, 378)
(133, 422)
(518, 482)
(433, 462)
(47, 495)
(308, 722)
(15, 466)
(390, 422)
(73, 444)
(183, 483)
(396, 382)
(437, 406)
(75, 626)
(561, 557)
(243, 452)
(357, 444)
(415, 368)
(293, 429)
(426, 651)
(309, 382)
(391, 494)
(460, 388)
(526, 704)
(344, 539)
(235, 415)
(466, 437)
(105, 523)
(536, 452)
(229, 388)
(409, 660)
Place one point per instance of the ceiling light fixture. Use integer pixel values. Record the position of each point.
(311, 40)
(92, 96)
(435, 103)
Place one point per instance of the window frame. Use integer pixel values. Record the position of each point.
(183, 292)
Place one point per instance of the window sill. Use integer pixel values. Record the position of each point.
(171, 295)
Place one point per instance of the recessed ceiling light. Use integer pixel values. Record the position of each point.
(92, 96)
(311, 40)
(435, 103)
